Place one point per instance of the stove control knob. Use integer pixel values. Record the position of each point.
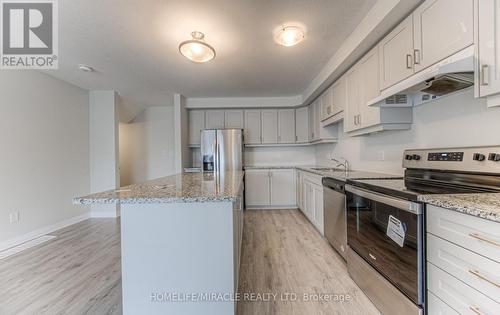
(408, 157)
(494, 157)
(416, 157)
(478, 157)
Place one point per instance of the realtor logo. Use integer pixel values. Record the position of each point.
(28, 34)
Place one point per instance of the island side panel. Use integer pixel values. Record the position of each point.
(182, 248)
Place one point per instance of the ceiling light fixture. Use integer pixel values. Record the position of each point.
(196, 49)
(289, 36)
(85, 68)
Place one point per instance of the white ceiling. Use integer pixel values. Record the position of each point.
(133, 45)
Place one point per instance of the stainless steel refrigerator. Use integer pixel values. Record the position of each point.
(221, 150)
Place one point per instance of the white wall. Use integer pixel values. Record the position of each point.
(44, 160)
(457, 120)
(147, 146)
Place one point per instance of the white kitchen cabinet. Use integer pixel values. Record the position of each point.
(440, 29)
(327, 104)
(488, 51)
(302, 125)
(286, 126)
(234, 119)
(257, 188)
(269, 126)
(214, 119)
(396, 54)
(270, 188)
(314, 119)
(252, 126)
(300, 190)
(283, 188)
(310, 198)
(362, 82)
(339, 95)
(196, 125)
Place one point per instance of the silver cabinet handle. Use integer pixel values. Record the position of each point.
(485, 75)
(416, 56)
(409, 61)
(475, 309)
(483, 277)
(372, 256)
(483, 238)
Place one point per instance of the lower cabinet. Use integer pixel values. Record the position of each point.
(310, 198)
(270, 188)
(463, 263)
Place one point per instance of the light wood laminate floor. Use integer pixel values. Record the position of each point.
(79, 271)
(284, 253)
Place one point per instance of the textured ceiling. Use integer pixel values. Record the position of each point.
(133, 45)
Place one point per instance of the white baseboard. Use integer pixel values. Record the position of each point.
(252, 207)
(42, 231)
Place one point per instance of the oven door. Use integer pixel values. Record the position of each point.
(388, 233)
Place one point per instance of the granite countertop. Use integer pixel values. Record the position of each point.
(180, 188)
(482, 205)
(337, 174)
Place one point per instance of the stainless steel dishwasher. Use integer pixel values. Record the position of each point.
(335, 214)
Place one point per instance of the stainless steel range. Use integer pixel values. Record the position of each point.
(385, 221)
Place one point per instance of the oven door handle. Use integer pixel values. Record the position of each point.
(413, 207)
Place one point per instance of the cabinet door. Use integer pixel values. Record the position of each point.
(489, 47)
(282, 187)
(269, 126)
(252, 126)
(196, 125)
(309, 200)
(326, 104)
(214, 119)
(339, 95)
(312, 127)
(298, 190)
(318, 207)
(440, 29)
(396, 54)
(286, 126)
(351, 110)
(257, 188)
(369, 87)
(302, 124)
(233, 119)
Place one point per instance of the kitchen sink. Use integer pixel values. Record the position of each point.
(326, 169)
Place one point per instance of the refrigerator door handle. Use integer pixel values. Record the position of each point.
(216, 156)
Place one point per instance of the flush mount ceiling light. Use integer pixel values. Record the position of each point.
(289, 35)
(196, 49)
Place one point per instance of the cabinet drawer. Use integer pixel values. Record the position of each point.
(477, 271)
(478, 235)
(450, 290)
(437, 307)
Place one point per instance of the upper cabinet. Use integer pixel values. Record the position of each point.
(440, 29)
(196, 125)
(214, 119)
(269, 126)
(488, 51)
(286, 126)
(234, 119)
(252, 126)
(326, 100)
(339, 100)
(362, 82)
(436, 30)
(396, 54)
(302, 125)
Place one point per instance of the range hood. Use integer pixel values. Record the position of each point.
(447, 76)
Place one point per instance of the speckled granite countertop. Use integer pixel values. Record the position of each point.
(337, 174)
(180, 188)
(483, 205)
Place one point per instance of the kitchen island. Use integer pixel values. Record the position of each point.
(181, 243)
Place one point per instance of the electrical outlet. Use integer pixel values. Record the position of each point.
(14, 217)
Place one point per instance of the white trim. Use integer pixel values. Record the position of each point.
(42, 231)
(244, 102)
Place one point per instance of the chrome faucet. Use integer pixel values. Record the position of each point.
(344, 163)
